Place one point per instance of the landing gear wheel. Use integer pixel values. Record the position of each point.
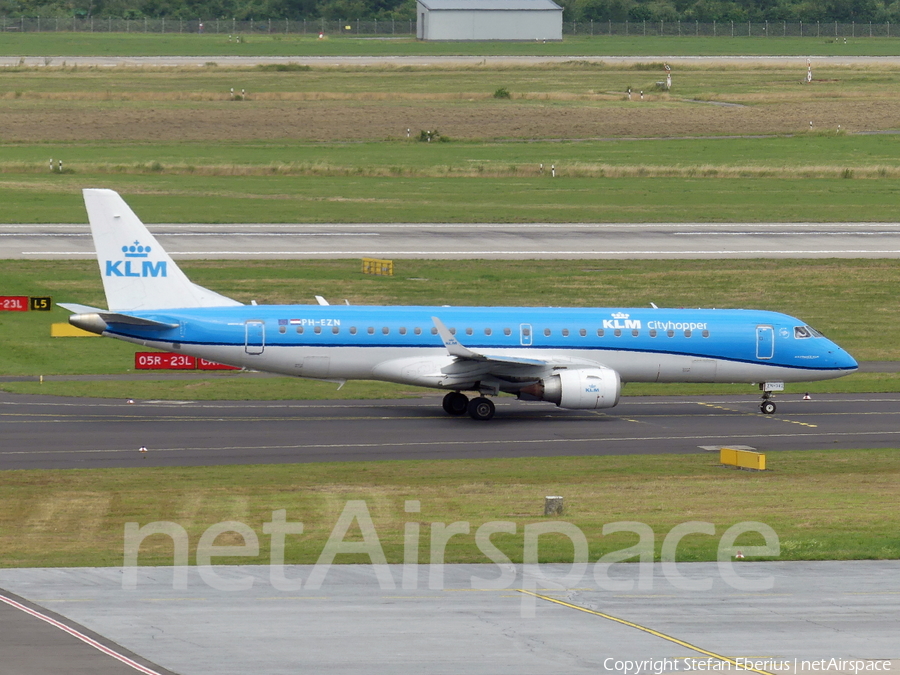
(481, 408)
(455, 403)
(767, 408)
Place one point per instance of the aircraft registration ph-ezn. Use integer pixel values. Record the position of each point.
(577, 358)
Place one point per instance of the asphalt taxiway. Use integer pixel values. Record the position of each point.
(38, 432)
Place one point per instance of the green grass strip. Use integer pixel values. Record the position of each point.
(830, 505)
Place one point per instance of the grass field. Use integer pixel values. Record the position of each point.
(859, 313)
(211, 44)
(823, 505)
(278, 199)
(330, 144)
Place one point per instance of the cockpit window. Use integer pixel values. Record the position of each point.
(803, 332)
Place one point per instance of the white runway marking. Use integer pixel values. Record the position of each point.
(543, 441)
(81, 636)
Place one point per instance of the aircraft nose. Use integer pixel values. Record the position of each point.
(843, 360)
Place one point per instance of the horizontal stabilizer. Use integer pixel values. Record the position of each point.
(75, 308)
(99, 322)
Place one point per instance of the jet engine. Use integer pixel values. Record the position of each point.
(580, 389)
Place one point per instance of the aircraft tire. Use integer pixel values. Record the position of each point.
(481, 408)
(455, 403)
(767, 408)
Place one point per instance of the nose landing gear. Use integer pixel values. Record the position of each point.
(767, 407)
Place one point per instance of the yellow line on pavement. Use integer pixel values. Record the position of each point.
(631, 624)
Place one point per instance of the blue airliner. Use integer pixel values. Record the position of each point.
(573, 357)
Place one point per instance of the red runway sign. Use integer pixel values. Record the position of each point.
(168, 361)
(13, 303)
(203, 364)
(163, 361)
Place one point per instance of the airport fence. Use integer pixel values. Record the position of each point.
(830, 29)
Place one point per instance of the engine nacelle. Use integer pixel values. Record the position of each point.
(578, 389)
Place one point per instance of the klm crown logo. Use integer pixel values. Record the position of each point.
(136, 263)
(620, 315)
(136, 250)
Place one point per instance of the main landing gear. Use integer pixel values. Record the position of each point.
(480, 408)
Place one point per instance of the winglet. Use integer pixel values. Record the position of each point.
(452, 344)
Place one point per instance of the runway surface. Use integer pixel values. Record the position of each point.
(470, 619)
(479, 241)
(45, 432)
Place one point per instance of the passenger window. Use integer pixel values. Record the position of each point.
(468, 331)
(635, 332)
(352, 330)
(452, 331)
(507, 331)
(335, 329)
(582, 332)
(299, 330)
(370, 330)
(670, 333)
(402, 330)
(487, 331)
(617, 332)
(434, 331)
(599, 332)
(385, 330)
(282, 329)
(547, 332)
(705, 333)
(687, 332)
(652, 332)
(417, 330)
(317, 330)
(565, 332)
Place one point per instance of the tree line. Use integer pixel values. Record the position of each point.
(617, 11)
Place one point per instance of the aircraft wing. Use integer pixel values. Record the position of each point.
(469, 366)
(460, 352)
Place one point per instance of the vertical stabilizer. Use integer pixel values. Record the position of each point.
(137, 273)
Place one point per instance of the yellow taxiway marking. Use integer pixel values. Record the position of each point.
(743, 412)
(656, 633)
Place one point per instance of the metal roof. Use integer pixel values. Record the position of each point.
(492, 5)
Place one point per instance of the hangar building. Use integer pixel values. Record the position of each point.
(488, 20)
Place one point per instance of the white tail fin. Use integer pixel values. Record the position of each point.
(137, 273)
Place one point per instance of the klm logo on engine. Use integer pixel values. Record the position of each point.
(136, 264)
